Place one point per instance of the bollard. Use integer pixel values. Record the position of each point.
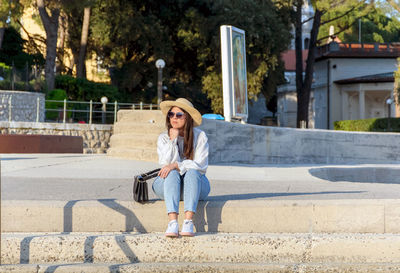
(115, 111)
(151, 106)
(65, 110)
(90, 111)
(37, 109)
(141, 105)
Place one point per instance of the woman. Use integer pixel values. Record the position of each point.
(183, 155)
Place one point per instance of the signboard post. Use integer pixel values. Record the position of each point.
(234, 75)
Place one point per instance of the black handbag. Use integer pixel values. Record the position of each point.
(140, 188)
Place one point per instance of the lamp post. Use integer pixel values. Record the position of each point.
(160, 64)
(389, 102)
(104, 101)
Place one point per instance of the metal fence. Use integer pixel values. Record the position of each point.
(89, 112)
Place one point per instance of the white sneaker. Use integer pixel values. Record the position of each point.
(172, 229)
(187, 228)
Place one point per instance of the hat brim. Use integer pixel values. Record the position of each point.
(168, 104)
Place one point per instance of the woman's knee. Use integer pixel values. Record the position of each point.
(173, 179)
(192, 174)
(158, 187)
(173, 174)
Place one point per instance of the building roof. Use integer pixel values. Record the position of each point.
(289, 58)
(383, 77)
(358, 50)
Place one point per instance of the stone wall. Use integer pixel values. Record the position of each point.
(96, 137)
(252, 144)
(24, 106)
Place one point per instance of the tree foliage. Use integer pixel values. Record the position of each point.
(377, 26)
(129, 36)
(13, 50)
(9, 11)
(186, 35)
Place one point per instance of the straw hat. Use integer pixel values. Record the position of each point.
(183, 104)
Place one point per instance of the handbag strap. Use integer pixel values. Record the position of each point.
(149, 175)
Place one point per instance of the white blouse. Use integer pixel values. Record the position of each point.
(172, 151)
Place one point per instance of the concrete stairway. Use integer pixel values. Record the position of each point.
(135, 134)
(233, 236)
(131, 252)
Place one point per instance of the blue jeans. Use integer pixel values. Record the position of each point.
(194, 186)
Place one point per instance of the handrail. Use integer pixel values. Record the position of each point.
(115, 106)
(91, 105)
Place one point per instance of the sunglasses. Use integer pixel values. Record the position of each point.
(178, 115)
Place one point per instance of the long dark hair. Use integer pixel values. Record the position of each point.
(187, 134)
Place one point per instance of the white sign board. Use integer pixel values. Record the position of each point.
(234, 75)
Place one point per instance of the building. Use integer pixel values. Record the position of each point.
(351, 81)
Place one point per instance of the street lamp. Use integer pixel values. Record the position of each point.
(104, 101)
(160, 64)
(389, 102)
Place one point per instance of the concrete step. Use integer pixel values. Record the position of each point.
(136, 133)
(138, 153)
(141, 116)
(201, 268)
(122, 248)
(251, 215)
(138, 128)
(132, 140)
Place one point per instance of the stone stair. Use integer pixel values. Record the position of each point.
(222, 252)
(233, 236)
(135, 134)
(201, 268)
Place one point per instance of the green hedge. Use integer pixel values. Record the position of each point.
(85, 90)
(56, 94)
(369, 125)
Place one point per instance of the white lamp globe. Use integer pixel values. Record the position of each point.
(104, 100)
(160, 63)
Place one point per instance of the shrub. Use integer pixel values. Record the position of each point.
(85, 90)
(56, 94)
(369, 125)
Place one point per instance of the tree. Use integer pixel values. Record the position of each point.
(50, 23)
(186, 35)
(325, 12)
(81, 71)
(380, 25)
(9, 10)
(267, 36)
(395, 4)
(13, 53)
(128, 41)
(77, 16)
(3, 18)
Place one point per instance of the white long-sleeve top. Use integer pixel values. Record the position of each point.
(170, 151)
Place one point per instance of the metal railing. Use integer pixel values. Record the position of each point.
(89, 112)
(382, 48)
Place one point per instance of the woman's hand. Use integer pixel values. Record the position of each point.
(173, 133)
(163, 173)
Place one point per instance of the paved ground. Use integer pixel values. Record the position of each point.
(73, 177)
